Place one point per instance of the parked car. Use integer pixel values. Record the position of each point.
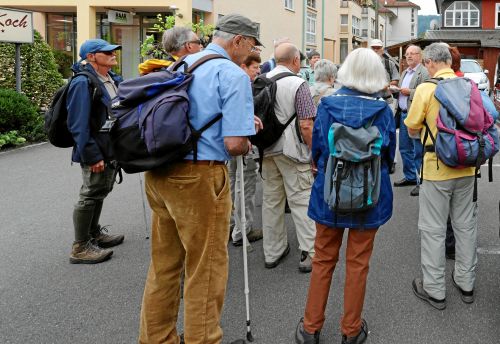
(473, 71)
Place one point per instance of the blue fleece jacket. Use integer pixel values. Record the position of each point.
(354, 111)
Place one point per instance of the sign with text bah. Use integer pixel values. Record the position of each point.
(16, 26)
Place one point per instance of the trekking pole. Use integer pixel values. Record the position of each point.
(244, 236)
(146, 227)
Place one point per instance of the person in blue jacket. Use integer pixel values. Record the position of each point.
(356, 104)
(88, 109)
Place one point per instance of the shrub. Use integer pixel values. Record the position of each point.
(64, 63)
(19, 115)
(40, 78)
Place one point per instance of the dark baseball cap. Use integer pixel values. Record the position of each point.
(91, 46)
(239, 25)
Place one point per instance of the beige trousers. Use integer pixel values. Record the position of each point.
(285, 179)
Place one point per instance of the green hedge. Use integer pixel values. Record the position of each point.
(19, 118)
(40, 78)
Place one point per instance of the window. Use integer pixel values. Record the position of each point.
(311, 3)
(311, 28)
(460, 14)
(344, 4)
(372, 28)
(344, 49)
(497, 16)
(413, 30)
(381, 33)
(344, 23)
(412, 15)
(289, 5)
(356, 24)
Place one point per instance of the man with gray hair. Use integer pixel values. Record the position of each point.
(325, 73)
(177, 42)
(444, 191)
(410, 149)
(191, 199)
(286, 167)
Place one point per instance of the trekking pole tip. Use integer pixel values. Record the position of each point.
(249, 336)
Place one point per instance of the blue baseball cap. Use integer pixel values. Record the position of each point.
(91, 46)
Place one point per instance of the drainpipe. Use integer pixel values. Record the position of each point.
(323, 29)
(304, 18)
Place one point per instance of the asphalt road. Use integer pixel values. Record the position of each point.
(44, 299)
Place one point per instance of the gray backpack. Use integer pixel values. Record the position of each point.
(352, 176)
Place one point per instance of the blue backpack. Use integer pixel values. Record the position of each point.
(151, 125)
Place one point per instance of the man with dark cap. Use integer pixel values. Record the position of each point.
(191, 200)
(92, 150)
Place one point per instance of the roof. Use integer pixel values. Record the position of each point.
(397, 3)
(487, 38)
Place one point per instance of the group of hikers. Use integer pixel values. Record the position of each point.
(333, 147)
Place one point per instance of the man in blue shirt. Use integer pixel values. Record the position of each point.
(191, 201)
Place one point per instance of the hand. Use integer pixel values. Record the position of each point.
(98, 167)
(258, 124)
(314, 169)
(405, 91)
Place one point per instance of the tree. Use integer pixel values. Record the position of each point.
(153, 49)
(40, 78)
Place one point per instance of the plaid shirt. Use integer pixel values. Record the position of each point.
(304, 104)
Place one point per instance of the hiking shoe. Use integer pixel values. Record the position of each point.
(418, 290)
(88, 253)
(360, 338)
(181, 338)
(304, 337)
(272, 265)
(415, 191)
(252, 236)
(305, 264)
(466, 296)
(404, 182)
(104, 240)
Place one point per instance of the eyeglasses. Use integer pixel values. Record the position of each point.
(109, 53)
(411, 54)
(253, 48)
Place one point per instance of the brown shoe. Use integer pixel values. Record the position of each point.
(87, 253)
(252, 236)
(106, 240)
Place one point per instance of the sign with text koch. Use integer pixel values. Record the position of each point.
(119, 17)
(16, 26)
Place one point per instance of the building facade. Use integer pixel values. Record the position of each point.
(402, 19)
(474, 27)
(66, 24)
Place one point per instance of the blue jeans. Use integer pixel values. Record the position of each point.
(411, 152)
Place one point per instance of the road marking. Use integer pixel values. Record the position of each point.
(489, 250)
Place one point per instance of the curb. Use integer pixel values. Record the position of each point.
(23, 148)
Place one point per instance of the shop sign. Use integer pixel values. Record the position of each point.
(16, 26)
(119, 17)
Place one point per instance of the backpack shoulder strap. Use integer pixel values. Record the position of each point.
(387, 65)
(94, 83)
(434, 81)
(281, 76)
(203, 60)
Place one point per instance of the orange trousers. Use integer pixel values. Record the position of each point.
(327, 246)
(191, 207)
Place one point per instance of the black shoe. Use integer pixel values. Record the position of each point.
(393, 168)
(304, 337)
(404, 182)
(466, 296)
(272, 265)
(418, 290)
(415, 191)
(450, 255)
(360, 338)
(182, 338)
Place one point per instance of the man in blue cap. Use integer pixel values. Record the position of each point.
(88, 100)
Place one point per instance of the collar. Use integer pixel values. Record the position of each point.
(352, 92)
(217, 49)
(443, 71)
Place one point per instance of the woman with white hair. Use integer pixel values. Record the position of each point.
(354, 105)
(325, 73)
